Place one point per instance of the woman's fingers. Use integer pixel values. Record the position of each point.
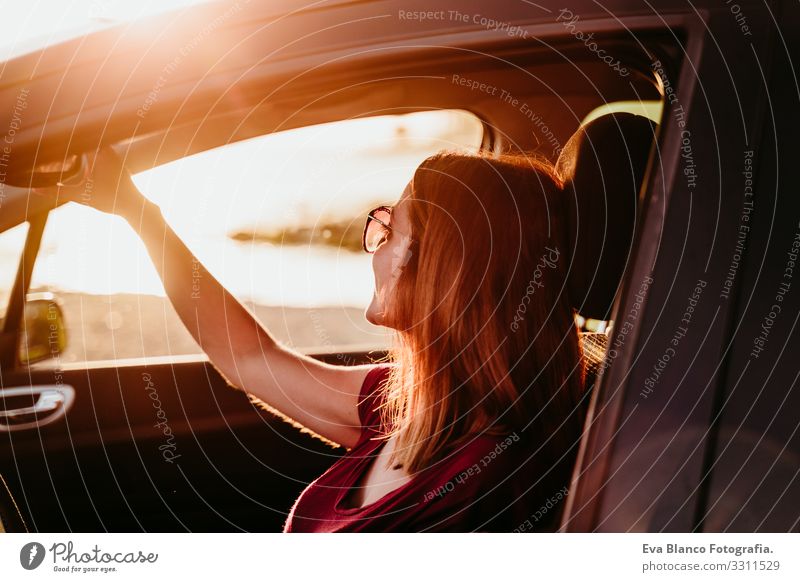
(106, 185)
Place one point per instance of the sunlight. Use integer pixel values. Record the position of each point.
(28, 26)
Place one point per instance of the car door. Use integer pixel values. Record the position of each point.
(132, 444)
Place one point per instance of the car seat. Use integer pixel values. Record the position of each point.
(603, 166)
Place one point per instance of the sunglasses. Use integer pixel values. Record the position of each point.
(377, 228)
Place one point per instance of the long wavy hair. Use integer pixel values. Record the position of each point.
(487, 341)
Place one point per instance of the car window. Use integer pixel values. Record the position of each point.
(276, 219)
(12, 242)
(651, 109)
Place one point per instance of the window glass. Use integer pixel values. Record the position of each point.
(276, 219)
(12, 242)
(650, 109)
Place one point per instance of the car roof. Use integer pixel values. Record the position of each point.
(234, 64)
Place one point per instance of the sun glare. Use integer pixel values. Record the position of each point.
(28, 26)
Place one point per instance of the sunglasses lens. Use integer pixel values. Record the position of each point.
(375, 232)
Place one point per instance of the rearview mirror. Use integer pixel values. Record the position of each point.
(43, 335)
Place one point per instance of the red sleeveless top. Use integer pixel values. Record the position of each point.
(487, 484)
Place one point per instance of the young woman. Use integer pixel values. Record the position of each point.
(474, 424)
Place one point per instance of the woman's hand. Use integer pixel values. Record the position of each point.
(106, 186)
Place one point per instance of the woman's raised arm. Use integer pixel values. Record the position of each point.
(320, 396)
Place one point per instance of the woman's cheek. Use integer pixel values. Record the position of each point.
(376, 307)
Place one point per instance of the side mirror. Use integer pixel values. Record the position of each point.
(44, 335)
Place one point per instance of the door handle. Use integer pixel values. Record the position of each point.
(53, 401)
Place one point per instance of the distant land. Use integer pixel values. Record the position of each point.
(345, 235)
(342, 233)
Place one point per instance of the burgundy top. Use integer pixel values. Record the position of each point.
(480, 486)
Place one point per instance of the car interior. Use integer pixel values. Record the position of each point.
(242, 467)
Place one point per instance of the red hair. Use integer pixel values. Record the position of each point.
(487, 341)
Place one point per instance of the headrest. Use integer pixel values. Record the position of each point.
(602, 166)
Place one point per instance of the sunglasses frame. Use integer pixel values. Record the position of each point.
(370, 217)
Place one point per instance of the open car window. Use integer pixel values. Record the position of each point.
(12, 243)
(277, 219)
